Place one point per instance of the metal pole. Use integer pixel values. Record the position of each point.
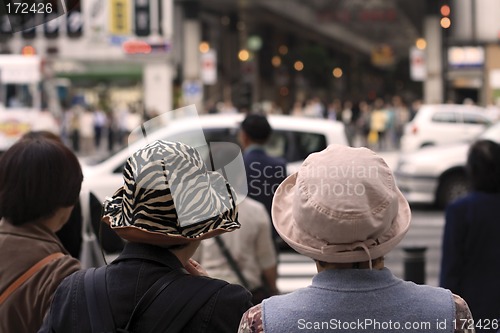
(414, 264)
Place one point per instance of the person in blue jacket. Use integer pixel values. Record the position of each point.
(264, 173)
(470, 263)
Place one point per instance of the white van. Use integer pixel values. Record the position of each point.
(22, 106)
(444, 123)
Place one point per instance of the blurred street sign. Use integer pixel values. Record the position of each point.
(74, 21)
(119, 17)
(97, 20)
(209, 67)
(142, 18)
(383, 56)
(192, 91)
(418, 67)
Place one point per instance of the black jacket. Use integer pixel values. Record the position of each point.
(128, 278)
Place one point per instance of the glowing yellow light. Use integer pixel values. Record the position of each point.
(421, 43)
(445, 10)
(337, 72)
(244, 55)
(276, 61)
(283, 49)
(204, 47)
(298, 65)
(445, 22)
(28, 50)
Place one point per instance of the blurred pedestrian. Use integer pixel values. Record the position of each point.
(470, 262)
(264, 172)
(100, 122)
(402, 118)
(87, 131)
(246, 257)
(169, 203)
(343, 210)
(40, 182)
(379, 121)
(363, 124)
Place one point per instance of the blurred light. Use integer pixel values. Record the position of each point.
(28, 50)
(445, 22)
(254, 43)
(204, 47)
(298, 65)
(421, 43)
(243, 55)
(284, 91)
(445, 10)
(337, 72)
(283, 49)
(276, 61)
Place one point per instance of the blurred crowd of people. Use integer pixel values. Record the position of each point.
(377, 124)
(87, 128)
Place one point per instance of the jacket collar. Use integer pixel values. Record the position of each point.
(355, 279)
(140, 251)
(254, 148)
(29, 230)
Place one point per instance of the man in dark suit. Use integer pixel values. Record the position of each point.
(264, 172)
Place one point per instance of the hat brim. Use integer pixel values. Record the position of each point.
(139, 235)
(285, 225)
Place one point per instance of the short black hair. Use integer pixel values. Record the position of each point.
(483, 166)
(38, 175)
(257, 128)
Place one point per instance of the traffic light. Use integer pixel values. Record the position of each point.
(445, 11)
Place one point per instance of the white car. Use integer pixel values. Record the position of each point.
(437, 174)
(293, 138)
(444, 123)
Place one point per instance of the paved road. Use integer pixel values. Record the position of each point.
(295, 271)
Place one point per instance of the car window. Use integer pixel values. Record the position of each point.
(296, 146)
(470, 118)
(221, 135)
(444, 117)
(293, 146)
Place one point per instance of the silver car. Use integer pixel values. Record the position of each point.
(436, 175)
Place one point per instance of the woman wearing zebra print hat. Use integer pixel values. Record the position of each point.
(169, 202)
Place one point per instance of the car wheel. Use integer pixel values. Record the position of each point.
(451, 187)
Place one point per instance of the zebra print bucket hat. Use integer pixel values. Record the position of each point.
(170, 197)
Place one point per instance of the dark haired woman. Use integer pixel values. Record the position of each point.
(470, 263)
(40, 181)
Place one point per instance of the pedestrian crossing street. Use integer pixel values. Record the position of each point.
(296, 271)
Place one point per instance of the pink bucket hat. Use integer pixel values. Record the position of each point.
(342, 206)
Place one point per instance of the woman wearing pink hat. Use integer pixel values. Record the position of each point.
(343, 209)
